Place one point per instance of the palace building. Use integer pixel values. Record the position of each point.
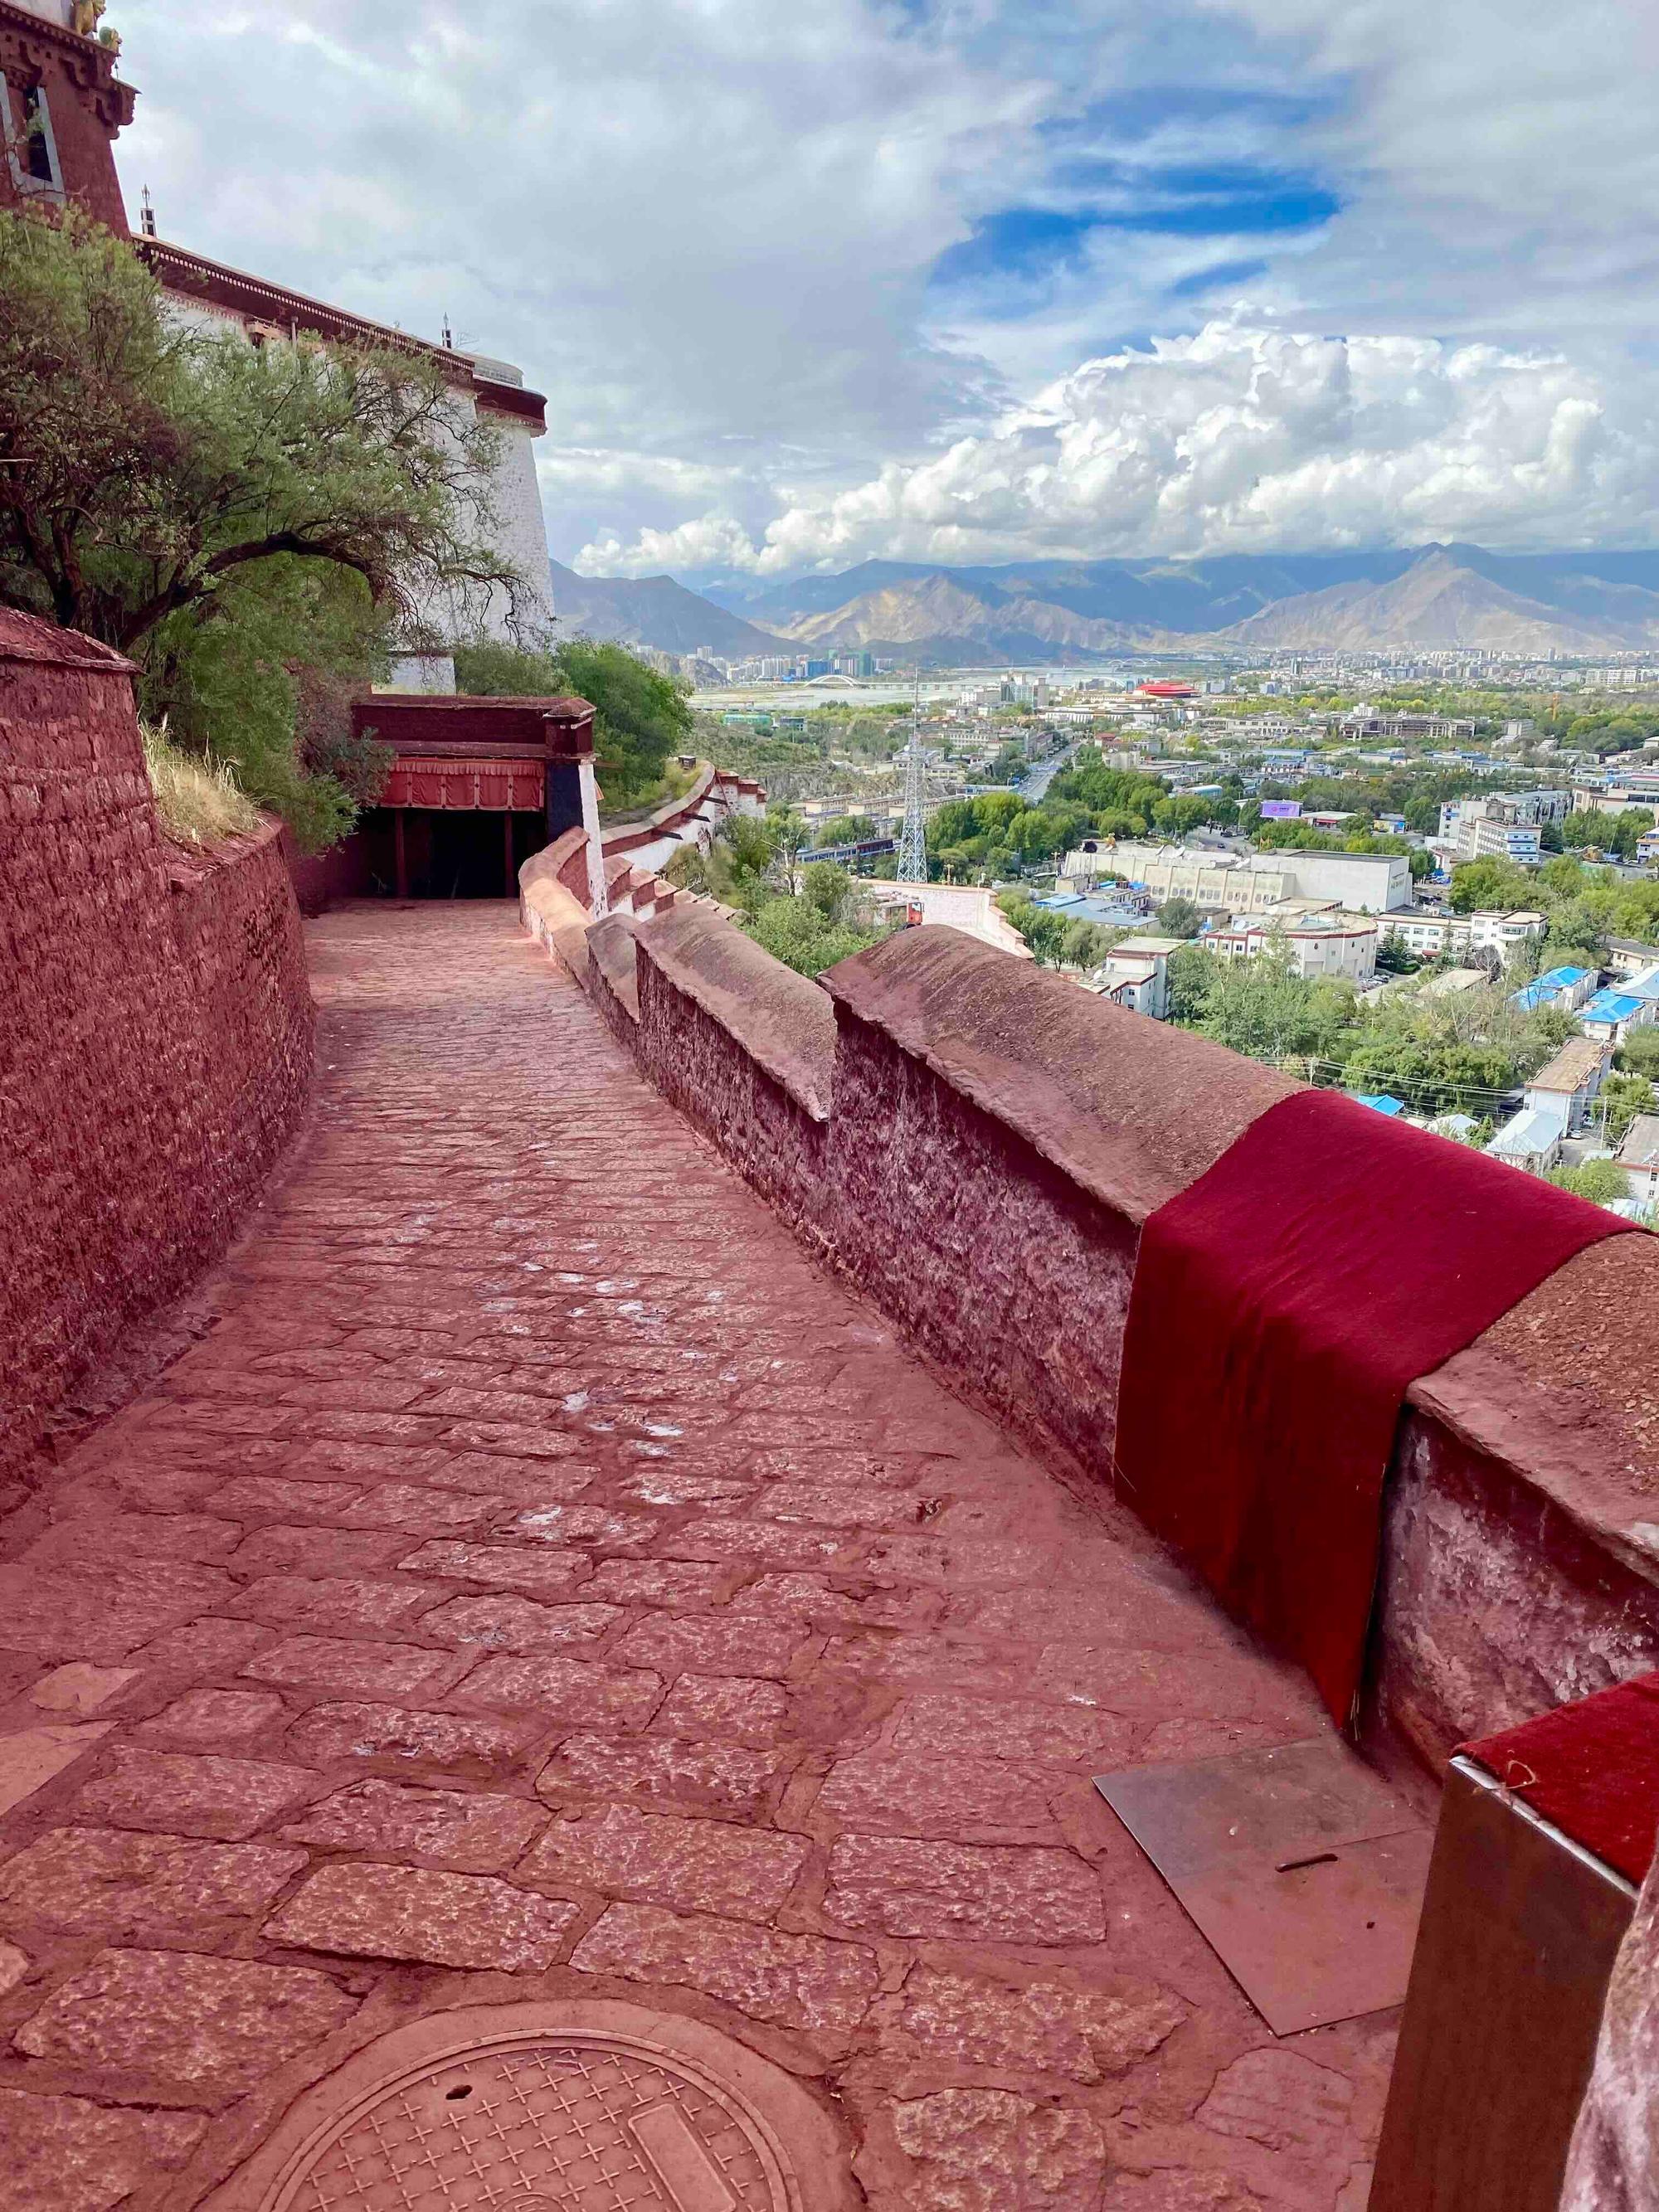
(61, 107)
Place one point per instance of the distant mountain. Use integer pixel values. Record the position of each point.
(655, 612)
(1082, 610)
(1445, 599)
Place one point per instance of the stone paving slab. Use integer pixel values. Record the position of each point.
(542, 1582)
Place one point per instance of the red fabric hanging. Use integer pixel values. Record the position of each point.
(1592, 1768)
(1281, 1306)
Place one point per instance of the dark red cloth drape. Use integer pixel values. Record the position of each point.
(1281, 1306)
(1591, 1768)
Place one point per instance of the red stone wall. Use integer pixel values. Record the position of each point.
(155, 1048)
(86, 104)
(976, 1145)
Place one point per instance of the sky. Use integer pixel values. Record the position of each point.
(971, 280)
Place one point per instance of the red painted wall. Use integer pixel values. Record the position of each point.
(155, 1048)
(976, 1144)
(87, 105)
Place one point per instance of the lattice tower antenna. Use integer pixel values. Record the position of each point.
(913, 838)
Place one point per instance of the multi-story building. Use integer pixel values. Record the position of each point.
(1615, 793)
(1371, 882)
(1432, 932)
(1507, 826)
(1135, 973)
(1565, 988)
(1318, 940)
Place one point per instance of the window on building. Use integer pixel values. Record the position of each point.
(31, 147)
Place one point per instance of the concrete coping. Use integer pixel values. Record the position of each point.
(783, 1020)
(1129, 1109)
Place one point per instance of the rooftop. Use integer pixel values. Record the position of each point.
(1579, 1060)
(1640, 1148)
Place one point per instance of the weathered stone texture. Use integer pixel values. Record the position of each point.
(158, 1026)
(402, 1912)
(179, 2019)
(634, 1726)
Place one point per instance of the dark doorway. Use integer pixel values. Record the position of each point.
(449, 853)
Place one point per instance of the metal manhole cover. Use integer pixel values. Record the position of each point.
(577, 2126)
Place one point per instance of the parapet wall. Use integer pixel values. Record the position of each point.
(975, 1143)
(156, 1035)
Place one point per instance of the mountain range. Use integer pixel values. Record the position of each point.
(1076, 612)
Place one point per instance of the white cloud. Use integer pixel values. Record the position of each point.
(1243, 438)
(706, 227)
(706, 544)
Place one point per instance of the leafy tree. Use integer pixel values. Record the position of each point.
(1180, 816)
(797, 932)
(1639, 1052)
(1262, 1008)
(1478, 886)
(828, 888)
(1179, 917)
(1394, 959)
(1435, 1078)
(1622, 1097)
(1601, 1182)
(225, 514)
(642, 718)
(1191, 972)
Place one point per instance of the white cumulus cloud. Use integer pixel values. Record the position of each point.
(1240, 438)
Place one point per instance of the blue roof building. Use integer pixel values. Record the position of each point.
(1380, 1101)
(1611, 1012)
(1561, 987)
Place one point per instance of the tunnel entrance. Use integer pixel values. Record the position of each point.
(449, 853)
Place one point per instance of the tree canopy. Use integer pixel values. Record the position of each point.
(224, 513)
(642, 718)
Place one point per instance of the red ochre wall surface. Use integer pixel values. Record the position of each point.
(87, 102)
(156, 1030)
(976, 1144)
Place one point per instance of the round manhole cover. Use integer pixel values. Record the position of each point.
(582, 2125)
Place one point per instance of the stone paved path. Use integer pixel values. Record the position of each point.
(542, 1581)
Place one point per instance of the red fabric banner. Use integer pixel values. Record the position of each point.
(1592, 1768)
(1281, 1307)
(494, 785)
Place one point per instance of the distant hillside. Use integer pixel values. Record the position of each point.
(655, 612)
(1080, 611)
(1444, 601)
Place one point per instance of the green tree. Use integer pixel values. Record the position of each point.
(1262, 1008)
(1601, 1182)
(1179, 917)
(1639, 1052)
(828, 888)
(642, 718)
(796, 932)
(1622, 1097)
(158, 483)
(1191, 972)
(1479, 886)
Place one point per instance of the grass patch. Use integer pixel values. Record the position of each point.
(199, 802)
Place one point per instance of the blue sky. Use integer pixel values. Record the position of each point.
(971, 279)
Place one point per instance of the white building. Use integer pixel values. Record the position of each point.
(1367, 883)
(1135, 973)
(1639, 1155)
(1570, 1083)
(1507, 826)
(1431, 934)
(1319, 941)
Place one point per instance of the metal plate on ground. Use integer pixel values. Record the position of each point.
(602, 2127)
(1298, 1865)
